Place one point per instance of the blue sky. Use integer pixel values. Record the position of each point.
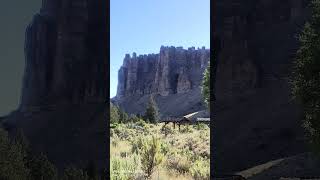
(142, 26)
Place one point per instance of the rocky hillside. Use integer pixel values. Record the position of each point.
(63, 104)
(173, 76)
(254, 111)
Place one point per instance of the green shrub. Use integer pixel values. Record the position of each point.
(134, 118)
(200, 169)
(151, 156)
(137, 144)
(186, 129)
(179, 163)
(167, 130)
(72, 173)
(201, 126)
(114, 142)
(165, 148)
(123, 168)
(124, 133)
(41, 168)
(141, 123)
(12, 155)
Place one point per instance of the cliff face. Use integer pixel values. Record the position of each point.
(62, 109)
(172, 73)
(256, 43)
(61, 43)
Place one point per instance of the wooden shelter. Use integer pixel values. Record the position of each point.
(192, 118)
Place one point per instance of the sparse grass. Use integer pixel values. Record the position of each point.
(186, 153)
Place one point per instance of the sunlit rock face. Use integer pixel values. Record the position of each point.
(172, 73)
(256, 119)
(63, 104)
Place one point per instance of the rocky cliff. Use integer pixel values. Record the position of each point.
(63, 103)
(172, 75)
(254, 112)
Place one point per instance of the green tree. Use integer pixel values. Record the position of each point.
(21, 140)
(306, 75)
(123, 116)
(152, 114)
(206, 86)
(134, 118)
(42, 169)
(72, 173)
(114, 114)
(12, 165)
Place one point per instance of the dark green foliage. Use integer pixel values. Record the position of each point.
(152, 114)
(123, 116)
(72, 173)
(117, 115)
(92, 171)
(17, 163)
(12, 165)
(114, 114)
(42, 169)
(134, 118)
(21, 139)
(306, 75)
(206, 86)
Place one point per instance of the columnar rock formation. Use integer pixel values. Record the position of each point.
(61, 44)
(63, 103)
(173, 72)
(256, 41)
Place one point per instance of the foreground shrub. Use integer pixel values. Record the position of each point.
(200, 169)
(124, 168)
(151, 156)
(178, 163)
(137, 144)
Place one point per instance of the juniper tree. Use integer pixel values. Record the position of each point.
(306, 75)
(206, 86)
(152, 114)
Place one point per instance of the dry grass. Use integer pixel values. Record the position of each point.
(181, 149)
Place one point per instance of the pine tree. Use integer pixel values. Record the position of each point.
(114, 114)
(306, 75)
(151, 115)
(42, 169)
(72, 173)
(206, 86)
(12, 165)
